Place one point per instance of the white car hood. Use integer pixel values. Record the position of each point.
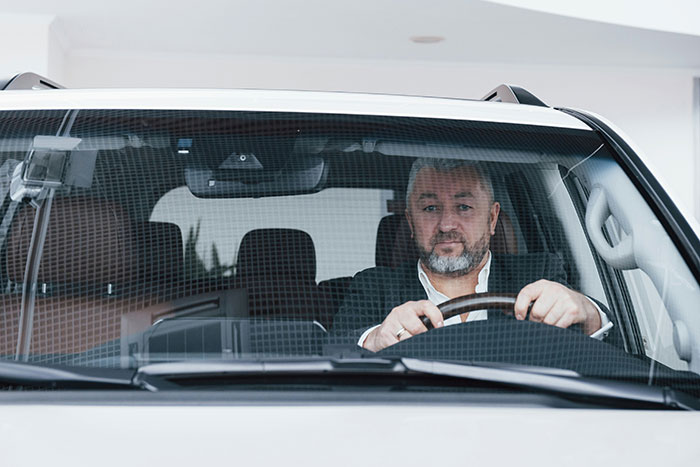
(349, 435)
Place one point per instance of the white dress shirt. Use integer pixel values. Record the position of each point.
(482, 285)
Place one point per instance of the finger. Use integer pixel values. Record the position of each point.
(572, 312)
(565, 321)
(388, 330)
(411, 322)
(542, 307)
(527, 295)
(405, 335)
(398, 332)
(557, 310)
(430, 310)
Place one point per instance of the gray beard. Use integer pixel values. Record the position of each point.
(456, 266)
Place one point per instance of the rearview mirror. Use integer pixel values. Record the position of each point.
(301, 174)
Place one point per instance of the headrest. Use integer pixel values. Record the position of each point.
(394, 243)
(161, 253)
(504, 240)
(277, 253)
(88, 241)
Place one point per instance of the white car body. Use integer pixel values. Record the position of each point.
(71, 429)
(345, 434)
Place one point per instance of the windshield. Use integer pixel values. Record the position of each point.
(137, 237)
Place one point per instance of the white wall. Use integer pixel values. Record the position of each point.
(56, 49)
(343, 229)
(653, 106)
(25, 40)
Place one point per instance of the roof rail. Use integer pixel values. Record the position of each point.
(28, 81)
(514, 95)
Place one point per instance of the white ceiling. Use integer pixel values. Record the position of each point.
(679, 16)
(474, 31)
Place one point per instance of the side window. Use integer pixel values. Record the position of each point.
(612, 290)
(653, 318)
(342, 223)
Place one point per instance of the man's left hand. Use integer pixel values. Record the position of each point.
(557, 305)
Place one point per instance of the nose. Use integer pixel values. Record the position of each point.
(448, 221)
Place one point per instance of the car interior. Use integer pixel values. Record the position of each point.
(188, 216)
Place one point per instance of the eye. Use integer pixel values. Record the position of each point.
(463, 207)
(431, 208)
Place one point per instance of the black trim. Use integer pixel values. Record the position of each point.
(28, 81)
(514, 95)
(661, 204)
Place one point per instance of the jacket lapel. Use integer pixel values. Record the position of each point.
(499, 281)
(411, 289)
(499, 277)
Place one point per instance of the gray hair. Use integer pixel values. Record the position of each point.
(447, 165)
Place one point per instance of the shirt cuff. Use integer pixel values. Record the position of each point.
(364, 335)
(605, 323)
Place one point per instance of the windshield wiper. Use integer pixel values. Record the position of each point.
(19, 374)
(565, 383)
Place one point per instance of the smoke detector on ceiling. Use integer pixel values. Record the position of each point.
(427, 39)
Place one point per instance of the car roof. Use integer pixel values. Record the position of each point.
(290, 101)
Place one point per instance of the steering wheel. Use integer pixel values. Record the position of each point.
(477, 301)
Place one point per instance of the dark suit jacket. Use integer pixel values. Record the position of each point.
(376, 291)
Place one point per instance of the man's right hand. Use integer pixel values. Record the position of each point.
(403, 322)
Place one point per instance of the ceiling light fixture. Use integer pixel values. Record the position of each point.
(427, 39)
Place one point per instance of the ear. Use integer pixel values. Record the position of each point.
(493, 216)
(410, 221)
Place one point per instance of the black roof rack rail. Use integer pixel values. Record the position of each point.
(514, 95)
(28, 81)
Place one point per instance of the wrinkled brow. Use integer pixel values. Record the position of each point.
(461, 194)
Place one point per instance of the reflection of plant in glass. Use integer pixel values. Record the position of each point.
(219, 269)
(195, 267)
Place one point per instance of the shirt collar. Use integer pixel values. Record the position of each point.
(437, 297)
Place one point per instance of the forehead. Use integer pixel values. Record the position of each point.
(462, 179)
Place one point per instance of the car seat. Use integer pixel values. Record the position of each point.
(96, 266)
(277, 267)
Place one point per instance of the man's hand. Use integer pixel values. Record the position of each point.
(557, 305)
(403, 322)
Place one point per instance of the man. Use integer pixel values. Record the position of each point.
(452, 214)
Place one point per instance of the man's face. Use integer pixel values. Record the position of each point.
(452, 219)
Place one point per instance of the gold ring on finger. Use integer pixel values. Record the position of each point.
(400, 332)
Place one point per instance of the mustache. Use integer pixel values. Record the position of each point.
(447, 237)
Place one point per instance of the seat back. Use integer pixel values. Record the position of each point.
(394, 243)
(278, 269)
(96, 266)
(89, 245)
(277, 254)
(161, 258)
